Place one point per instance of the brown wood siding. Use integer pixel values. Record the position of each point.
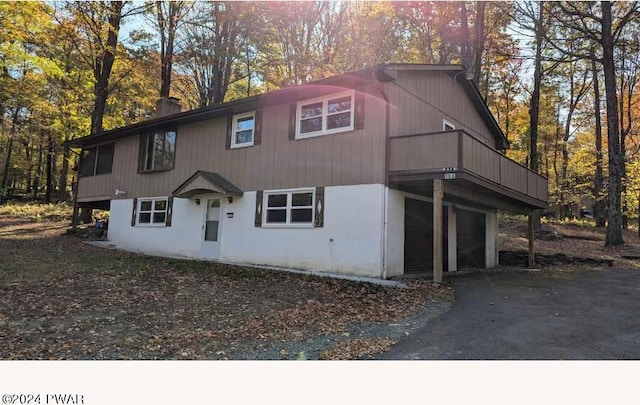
(439, 152)
(480, 159)
(514, 176)
(438, 98)
(419, 152)
(355, 157)
(538, 186)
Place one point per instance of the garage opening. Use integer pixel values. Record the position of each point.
(470, 228)
(418, 236)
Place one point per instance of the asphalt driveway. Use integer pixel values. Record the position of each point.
(534, 315)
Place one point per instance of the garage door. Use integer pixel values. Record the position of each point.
(471, 239)
(418, 236)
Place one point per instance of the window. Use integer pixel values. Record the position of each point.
(289, 207)
(326, 115)
(447, 126)
(152, 211)
(158, 151)
(242, 132)
(97, 160)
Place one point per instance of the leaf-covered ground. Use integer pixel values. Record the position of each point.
(61, 298)
(580, 239)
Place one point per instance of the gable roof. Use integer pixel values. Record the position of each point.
(202, 182)
(295, 93)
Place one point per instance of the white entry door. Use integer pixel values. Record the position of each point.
(211, 235)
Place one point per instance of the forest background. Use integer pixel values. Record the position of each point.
(561, 78)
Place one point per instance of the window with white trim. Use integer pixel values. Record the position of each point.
(152, 211)
(289, 208)
(243, 130)
(447, 126)
(325, 115)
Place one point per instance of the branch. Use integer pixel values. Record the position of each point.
(115, 85)
(624, 20)
(582, 27)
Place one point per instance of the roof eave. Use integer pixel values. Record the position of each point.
(286, 94)
(474, 93)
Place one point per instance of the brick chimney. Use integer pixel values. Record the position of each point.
(167, 106)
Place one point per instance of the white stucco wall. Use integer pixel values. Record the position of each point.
(350, 241)
(180, 239)
(394, 253)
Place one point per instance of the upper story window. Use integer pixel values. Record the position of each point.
(325, 115)
(97, 160)
(242, 131)
(158, 151)
(447, 126)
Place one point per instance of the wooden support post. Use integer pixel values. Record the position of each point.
(531, 236)
(76, 208)
(438, 193)
(75, 215)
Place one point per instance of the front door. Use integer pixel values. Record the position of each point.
(211, 235)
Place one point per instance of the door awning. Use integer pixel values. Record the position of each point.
(202, 182)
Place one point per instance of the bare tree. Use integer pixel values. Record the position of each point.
(215, 36)
(170, 16)
(599, 209)
(603, 24)
(94, 33)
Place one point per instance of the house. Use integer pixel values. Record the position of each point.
(381, 172)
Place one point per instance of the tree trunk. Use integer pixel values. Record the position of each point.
(623, 137)
(167, 25)
(623, 180)
(465, 48)
(479, 42)
(556, 148)
(564, 185)
(64, 172)
(598, 182)
(7, 165)
(103, 66)
(614, 217)
(534, 106)
(38, 176)
(576, 92)
(49, 190)
(7, 161)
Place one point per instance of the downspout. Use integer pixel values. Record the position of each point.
(385, 193)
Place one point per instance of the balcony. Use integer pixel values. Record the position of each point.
(472, 170)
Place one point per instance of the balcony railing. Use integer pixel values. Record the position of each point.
(458, 151)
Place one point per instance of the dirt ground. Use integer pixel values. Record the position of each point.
(579, 240)
(61, 298)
